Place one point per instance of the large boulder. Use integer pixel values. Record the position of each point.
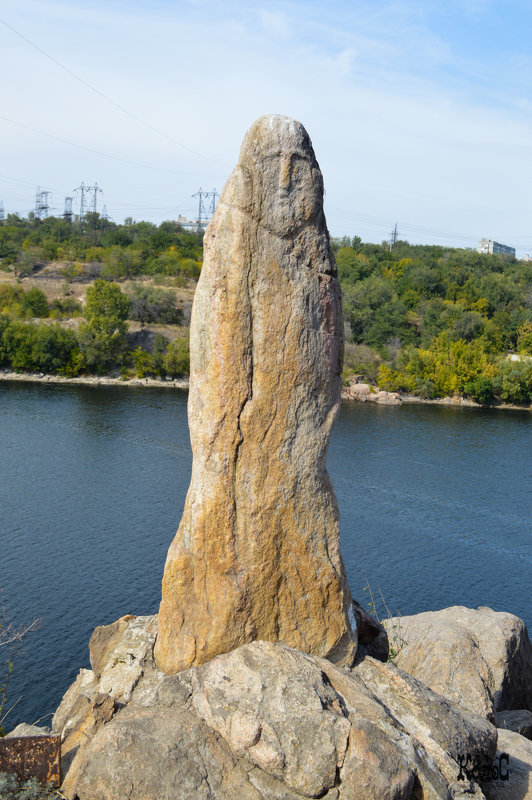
(257, 552)
(480, 659)
(515, 766)
(264, 722)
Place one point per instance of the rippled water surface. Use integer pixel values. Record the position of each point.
(435, 510)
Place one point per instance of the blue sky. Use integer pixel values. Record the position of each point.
(420, 112)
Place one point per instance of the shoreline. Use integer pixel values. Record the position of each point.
(183, 384)
(461, 402)
(93, 380)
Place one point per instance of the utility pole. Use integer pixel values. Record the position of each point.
(2, 213)
(67, 213)
(84, 190)
(393, 239)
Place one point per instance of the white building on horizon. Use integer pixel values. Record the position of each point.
(491, 247)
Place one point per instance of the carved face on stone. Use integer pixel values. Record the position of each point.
(278, 176)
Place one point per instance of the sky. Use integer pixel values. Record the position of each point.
(420, 112)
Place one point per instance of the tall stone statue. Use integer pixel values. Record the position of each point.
(257, 553)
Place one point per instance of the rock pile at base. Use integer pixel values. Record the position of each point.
(257, 552)
(267, 722)
(264, 722)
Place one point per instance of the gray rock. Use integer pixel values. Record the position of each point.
(155, 754)
(85, 685)
(492, 650)
(272, 707)
(122, 657)
(444, 730)
(519, 721)
(519, 783)
(266, 722)
(104, 639)
(23, 729)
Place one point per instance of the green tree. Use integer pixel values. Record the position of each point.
(35, 303)
(102, 337)
(143, 362)
(105, 299)
(480, 389)
(513, 381)
(177, 358)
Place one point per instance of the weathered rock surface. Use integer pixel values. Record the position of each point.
(257, 552)
(480, 659)
(23, 729)
(519, 721)
(518, 786)
(264, 722)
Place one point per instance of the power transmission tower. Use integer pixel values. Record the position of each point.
(41, 204)
(202, 213)
(393, 238)
(94, 189)
(214, 194)
(67, 213)
(2, 213)
(205, 212)
(105, 215)
(84, 190)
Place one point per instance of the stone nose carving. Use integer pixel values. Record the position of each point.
(257, 552)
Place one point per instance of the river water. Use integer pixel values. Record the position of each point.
(434, 502)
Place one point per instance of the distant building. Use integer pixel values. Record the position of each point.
(192, 225)
(487, 246)
(526, 257)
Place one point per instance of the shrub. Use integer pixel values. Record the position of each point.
(480, 389)
(513, 382)
(177, 358)
(151, 304)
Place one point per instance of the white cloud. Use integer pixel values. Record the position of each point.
(274, 22)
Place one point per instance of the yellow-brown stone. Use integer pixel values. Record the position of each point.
(257, 552)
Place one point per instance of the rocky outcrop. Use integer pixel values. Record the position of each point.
(257, 552)
(264, 721)
(480, 659)
(366, 393)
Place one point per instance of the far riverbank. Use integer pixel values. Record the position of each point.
(374, 395)
(94, 380)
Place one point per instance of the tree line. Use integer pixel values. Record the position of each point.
(424, 319)
(33, 339)
(436, 321)
(115, 251)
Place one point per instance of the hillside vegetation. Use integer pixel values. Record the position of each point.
(437, 321)
(427, 320)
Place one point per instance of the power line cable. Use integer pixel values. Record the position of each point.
(381, 223)
(99, 152)
(105, 97)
